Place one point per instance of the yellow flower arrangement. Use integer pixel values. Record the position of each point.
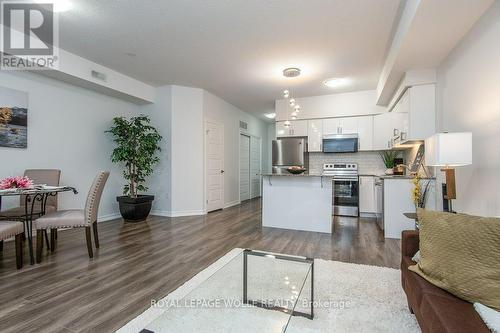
(417, 189)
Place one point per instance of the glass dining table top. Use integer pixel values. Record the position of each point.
(253, 292)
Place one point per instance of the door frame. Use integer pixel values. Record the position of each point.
(244, 132)
(205, 164)
(239, 165)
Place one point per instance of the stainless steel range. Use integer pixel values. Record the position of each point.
(345, 187)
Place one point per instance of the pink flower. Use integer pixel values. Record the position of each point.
(15, 182)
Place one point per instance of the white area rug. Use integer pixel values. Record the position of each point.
(361, 298)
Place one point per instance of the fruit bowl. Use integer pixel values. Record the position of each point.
(296, 170)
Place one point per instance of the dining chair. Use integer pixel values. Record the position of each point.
(9, 229)
(39, 176)
(75, 218)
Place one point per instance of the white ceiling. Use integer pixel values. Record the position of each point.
(235, 49)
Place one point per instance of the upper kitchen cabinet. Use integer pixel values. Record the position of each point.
(363, 126)
(331, 126)
(417, 107)
(365, 132)
(315, 136)
(297, 128)
(382, 131)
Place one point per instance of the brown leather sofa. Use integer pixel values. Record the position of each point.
(436, 309)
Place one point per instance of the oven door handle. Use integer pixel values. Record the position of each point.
(345, 179)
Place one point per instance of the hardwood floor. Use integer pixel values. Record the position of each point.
(67, 292)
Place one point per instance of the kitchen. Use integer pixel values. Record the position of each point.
(337, 141)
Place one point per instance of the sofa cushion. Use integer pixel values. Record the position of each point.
(459, 253)
(417, 286)
(453, 315)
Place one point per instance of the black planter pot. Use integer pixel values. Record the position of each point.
(135, 209)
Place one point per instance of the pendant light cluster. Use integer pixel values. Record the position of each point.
(293, 106)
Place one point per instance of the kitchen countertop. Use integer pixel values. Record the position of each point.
(360, 175)
(292, 175)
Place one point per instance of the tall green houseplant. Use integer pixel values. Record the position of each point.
(137, 145)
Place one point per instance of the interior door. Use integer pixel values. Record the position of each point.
(214, 147)
(255, 167)
(244, 167)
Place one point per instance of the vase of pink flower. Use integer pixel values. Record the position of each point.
(15, 182)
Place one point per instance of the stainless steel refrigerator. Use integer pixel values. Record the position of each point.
(289, 152)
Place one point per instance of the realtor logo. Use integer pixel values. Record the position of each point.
(29, 35)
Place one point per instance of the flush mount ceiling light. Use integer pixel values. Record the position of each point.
(336, 82)
(271, 115)
(291, 72)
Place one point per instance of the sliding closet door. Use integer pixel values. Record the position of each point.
(255, 167)
(244, 167)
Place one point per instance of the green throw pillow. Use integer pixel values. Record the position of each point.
(461, 254)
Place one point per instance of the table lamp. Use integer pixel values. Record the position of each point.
(449, 150)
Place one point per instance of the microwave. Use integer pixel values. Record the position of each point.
(340, 143)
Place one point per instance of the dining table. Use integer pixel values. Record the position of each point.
(31, 196)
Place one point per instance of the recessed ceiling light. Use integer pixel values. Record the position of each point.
(291, 72)
(271, 115)
(336, 82)
(59, 5)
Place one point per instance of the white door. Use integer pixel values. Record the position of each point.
(214, 147)
(244, 167)
(255, 170)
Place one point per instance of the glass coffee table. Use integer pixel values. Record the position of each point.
(253, 292)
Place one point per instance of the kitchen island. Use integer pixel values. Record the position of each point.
(298, 202)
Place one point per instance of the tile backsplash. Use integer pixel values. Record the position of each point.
(369, 162)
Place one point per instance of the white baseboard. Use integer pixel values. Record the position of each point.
(178, 213)
(231, 204)
(108, 217)
(369, 215)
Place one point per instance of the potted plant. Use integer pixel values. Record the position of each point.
(388, 158)
(136, 149)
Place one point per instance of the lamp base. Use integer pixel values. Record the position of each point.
(451, 192)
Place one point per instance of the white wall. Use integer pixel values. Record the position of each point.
(186, 141)
(160, 184)
(66, 127)
(335, 105)
(469, 100)
(218, 110)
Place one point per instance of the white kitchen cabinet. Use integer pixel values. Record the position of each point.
(297, 128)
(349, 125)
(344, 125)
(331, 126)
(382, 131)
(365, 132)
(367, 202)
(417, 107)
(315, 136)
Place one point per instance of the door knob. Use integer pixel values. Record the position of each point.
(222, 171)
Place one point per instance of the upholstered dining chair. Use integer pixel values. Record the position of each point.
(76, 218)
(39, 176)
(9, 229)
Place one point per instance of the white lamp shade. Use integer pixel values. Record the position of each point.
(449, 149)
